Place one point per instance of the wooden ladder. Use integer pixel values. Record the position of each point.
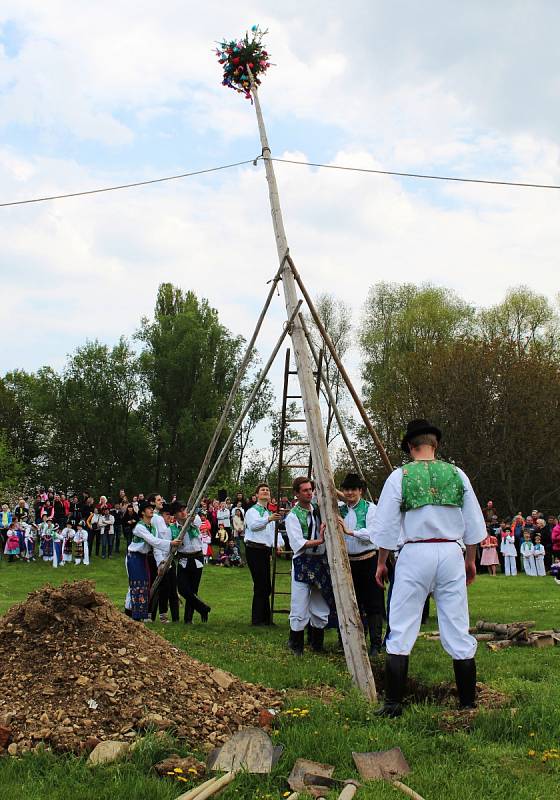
(282, 587)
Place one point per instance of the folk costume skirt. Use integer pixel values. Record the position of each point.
(139, 584)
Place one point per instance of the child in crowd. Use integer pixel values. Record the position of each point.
(223, 559)
(509, 552)
(555, 569)
(206, 537)
(490, 554)
(57, 541)
(30, 538)
(538, 555)
(527, 558)
(222, 534)
(45, 533)
(234, 556)
(12, 549)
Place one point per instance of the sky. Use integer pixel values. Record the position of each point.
(95, 94)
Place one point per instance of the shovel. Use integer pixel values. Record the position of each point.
(385, 765)
(250, 749)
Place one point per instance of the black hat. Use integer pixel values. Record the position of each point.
(177, 505)
(142, 506)
(418, 427)
(167, 508)
(353, 481)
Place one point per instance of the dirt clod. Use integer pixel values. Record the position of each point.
(75, 638)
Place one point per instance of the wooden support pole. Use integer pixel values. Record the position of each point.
(349, 618)
(334, 404)
(224, 451)
(328, 341)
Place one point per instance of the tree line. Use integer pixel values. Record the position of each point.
(141, 413)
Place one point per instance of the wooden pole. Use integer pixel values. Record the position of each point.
(328, 341)
(334, 404)
(349, 618)
(224, 451)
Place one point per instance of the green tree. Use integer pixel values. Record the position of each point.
(188, 364)
(524, 318)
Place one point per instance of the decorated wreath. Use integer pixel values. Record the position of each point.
(238, 57)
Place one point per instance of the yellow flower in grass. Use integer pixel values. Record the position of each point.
(178, 770)
(192, 771)
(531, 753)
(532, 734)
(286, 794)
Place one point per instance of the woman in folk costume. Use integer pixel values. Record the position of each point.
(46, 529)
(356, 522)
(81, 548)
(527, 557)
(427, 507)
(144, 539)
(509, 551)
(490, 554)
(311, 590)
(68, 539)
(58, 543)
(538, 555)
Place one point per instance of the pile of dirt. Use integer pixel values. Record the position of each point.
(75, 671)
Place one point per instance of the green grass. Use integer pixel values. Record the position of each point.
(489, 761)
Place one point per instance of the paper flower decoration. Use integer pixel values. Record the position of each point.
(238, 57)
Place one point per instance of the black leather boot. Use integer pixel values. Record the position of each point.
(396, 673)
(465, 678)
(296, 642)
(375, 628)
(317, 639)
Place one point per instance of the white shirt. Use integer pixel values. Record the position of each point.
(296, 537)
(223, 515)
(193, 545)
(149, 541)
(258, 529)
(363, 538)
(392, 527)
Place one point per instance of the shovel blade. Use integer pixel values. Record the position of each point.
(250, 749)
(303, 767)
(388, 765)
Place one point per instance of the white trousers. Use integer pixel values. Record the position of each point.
(539, 567)
(510, 567)
(436, 567)
(529, 565)
(307, 605)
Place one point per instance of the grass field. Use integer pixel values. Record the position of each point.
(490, 760)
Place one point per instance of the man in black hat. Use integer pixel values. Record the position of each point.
(426, 508)
(356, 522)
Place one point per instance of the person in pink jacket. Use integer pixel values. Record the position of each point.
(556, 540)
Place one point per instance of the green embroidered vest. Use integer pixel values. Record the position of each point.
(435, 483)
(360, 510)
(150, 528)
(301, 514)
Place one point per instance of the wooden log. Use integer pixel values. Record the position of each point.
(542, 641)
(499, 644)
(485, 637)
(503, 627)
(351, 629)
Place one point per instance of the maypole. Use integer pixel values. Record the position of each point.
(243, 62)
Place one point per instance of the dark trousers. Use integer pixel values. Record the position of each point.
(107, 544)
(168, 597)
(258, 561)
(369, 595)
(118, 531)
(188, 581)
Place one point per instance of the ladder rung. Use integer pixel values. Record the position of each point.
(296, 442)
(293, 397)
(296, 420)
(295, 466)
(292, 372)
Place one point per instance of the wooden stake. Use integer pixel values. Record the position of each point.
(349, 618)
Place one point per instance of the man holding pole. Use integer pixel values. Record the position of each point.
(426, 508)
(259, 541)
(356, 522)
(310, 570)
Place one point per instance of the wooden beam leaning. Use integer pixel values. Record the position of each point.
(334, 404)
(328, 341)
(225, 449)
(349, 618)
(231, 398)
